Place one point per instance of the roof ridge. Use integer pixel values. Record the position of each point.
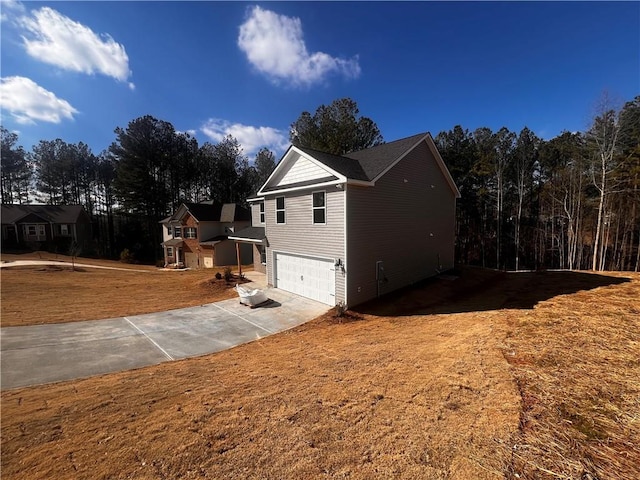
(386, 144)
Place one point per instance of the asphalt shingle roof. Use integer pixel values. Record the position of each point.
(376, 160)
(51, 213)
(217, 212)
(250, 233)
(365, 164)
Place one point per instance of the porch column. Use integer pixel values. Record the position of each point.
(238, 257)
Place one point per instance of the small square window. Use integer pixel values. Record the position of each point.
(280, 216)
(190, 232)
(319, 208)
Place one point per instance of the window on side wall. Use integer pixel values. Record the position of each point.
(280, 217)
(261, 212)
(169, 230)
(319, 208)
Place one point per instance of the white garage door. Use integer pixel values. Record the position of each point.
(190, 260)
(313, 278)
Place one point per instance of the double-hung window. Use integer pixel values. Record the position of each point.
(190, 232)
(169, 230)
(169, 251)
(280, 217)
(262, 212)
(64, 229)
(177, 232)
(319, 208)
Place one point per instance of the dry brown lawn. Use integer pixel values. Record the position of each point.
(488, 376)
(33, 295)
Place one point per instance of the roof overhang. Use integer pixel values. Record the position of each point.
(249, 235)
(247, 240)
(174, 242)
(291, 155)
(214, 240)
(442, 165)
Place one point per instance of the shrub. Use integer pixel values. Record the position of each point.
(126, 256)
(228, 276)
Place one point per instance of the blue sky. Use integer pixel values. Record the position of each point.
(78, 70)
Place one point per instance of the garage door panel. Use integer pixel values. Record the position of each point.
(306, 276)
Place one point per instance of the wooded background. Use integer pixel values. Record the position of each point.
(527, 203)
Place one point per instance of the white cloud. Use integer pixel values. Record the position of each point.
(28, 102)
(251, 138)
(55, 39)
(10, 8)
(274, 44)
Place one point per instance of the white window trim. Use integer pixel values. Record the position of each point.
(313, 209)
(40, 234)
(169, 251)
(261, 212)
(186, 235)
(283, 210)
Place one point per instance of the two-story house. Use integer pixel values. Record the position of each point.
(346, 229)
(196, 235)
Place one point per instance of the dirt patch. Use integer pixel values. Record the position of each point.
(416, 395)
(576, 360)
(54, 294)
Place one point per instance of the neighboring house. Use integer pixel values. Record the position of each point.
(346, 229)
(45, 226)
(196, 235)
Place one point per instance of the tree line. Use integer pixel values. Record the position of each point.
(569, 202)
(145, 174)
(527, 203)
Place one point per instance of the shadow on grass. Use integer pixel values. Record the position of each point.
(476, 289)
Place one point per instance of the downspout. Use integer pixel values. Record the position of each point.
(345, 270)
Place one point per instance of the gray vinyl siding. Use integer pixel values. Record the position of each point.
(300, 236)
(255, 215)
(406, 220)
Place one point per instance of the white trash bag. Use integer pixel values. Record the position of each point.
(251, 297)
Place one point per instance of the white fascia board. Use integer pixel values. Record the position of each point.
(304, 187)
(362, 183)
(279, 167)
(242, 239)
(255, 199)
(422, 139)
(319, 164)
(285, 161)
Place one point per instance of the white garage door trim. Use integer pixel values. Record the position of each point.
(311, 277)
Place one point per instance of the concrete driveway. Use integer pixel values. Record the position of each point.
(40, 354)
